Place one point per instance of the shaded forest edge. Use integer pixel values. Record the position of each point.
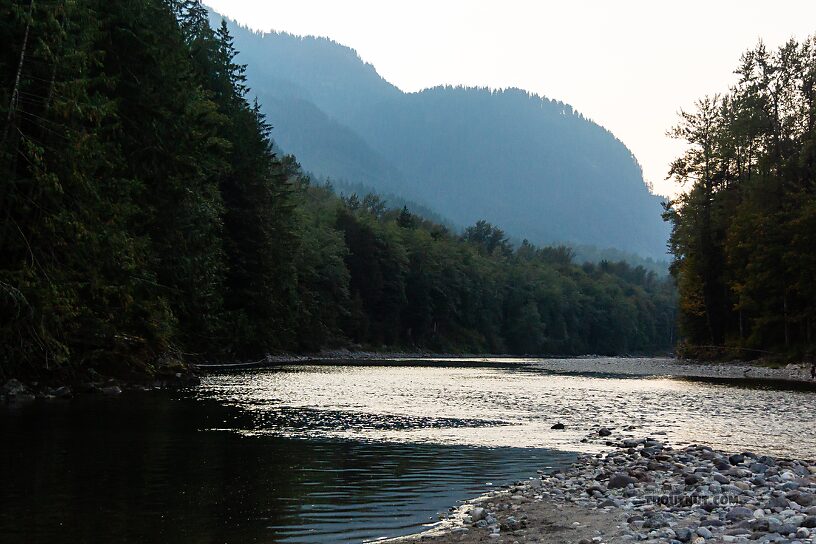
(147, 223)
(744, 232)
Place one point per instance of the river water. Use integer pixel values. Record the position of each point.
(344, 453)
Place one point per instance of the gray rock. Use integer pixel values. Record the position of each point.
(736, 459)
(759, 468)
(619, 480)
(739, 513)
(683, 534)
(692, 479)
(762, 524)
(558, 426)
(795, 520)
(511, 524)
(62, 392)
(803, 499)
(705, 533)
(774, 524)
(13, 388)
(478, 514)
(656, 522)
(809, 522)
(603, 431)
(777, 502)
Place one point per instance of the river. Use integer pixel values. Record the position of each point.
(344, 453)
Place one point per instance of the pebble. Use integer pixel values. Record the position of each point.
(687, 495)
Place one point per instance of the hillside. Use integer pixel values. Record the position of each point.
(531, 164)
(150, 222)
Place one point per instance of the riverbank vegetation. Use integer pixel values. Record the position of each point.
(146, 219)
(744, 233)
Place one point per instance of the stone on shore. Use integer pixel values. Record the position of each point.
(619, 480)
(661, 494)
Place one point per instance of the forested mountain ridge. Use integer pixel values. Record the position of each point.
(744, 232)
(328, 74)
(146, 219)
(531, 164)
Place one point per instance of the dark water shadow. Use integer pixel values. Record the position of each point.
(162, 467)
(764, 384)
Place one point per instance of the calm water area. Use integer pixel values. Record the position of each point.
(344, 452)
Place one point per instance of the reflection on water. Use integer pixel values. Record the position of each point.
(340, 453)
(148, 468)
(515, 405)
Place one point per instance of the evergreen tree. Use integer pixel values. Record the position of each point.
(740, 233)
(147, 219)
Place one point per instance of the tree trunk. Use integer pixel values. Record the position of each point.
(16, 91)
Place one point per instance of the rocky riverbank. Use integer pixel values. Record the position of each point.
(90, 382)
(679, 368)
(644, 490)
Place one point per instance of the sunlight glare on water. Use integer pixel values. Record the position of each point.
(346, 453)
(512, 405)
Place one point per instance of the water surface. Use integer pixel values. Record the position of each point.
(507, 403)
(342, 453)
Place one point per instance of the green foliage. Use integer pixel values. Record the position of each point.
(743, 232)
(145, 215)
(413, 285)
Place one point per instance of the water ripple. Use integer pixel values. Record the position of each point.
(513, 405)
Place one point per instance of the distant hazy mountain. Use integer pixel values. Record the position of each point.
(531, 165)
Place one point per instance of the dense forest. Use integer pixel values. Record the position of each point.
(146, 218)
(531, 164)
(744, 231)
(581, 253)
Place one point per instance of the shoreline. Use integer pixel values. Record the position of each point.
(644, 490)
(636, 366)
(180, 375)
(92, 383)
(636, 489)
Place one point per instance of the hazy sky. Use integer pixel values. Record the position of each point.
(629, 65)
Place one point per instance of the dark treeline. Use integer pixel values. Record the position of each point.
(146, 218)
(744, 235)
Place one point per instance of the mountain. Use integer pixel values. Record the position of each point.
(532, 165)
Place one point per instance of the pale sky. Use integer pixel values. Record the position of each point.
(628, 65)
